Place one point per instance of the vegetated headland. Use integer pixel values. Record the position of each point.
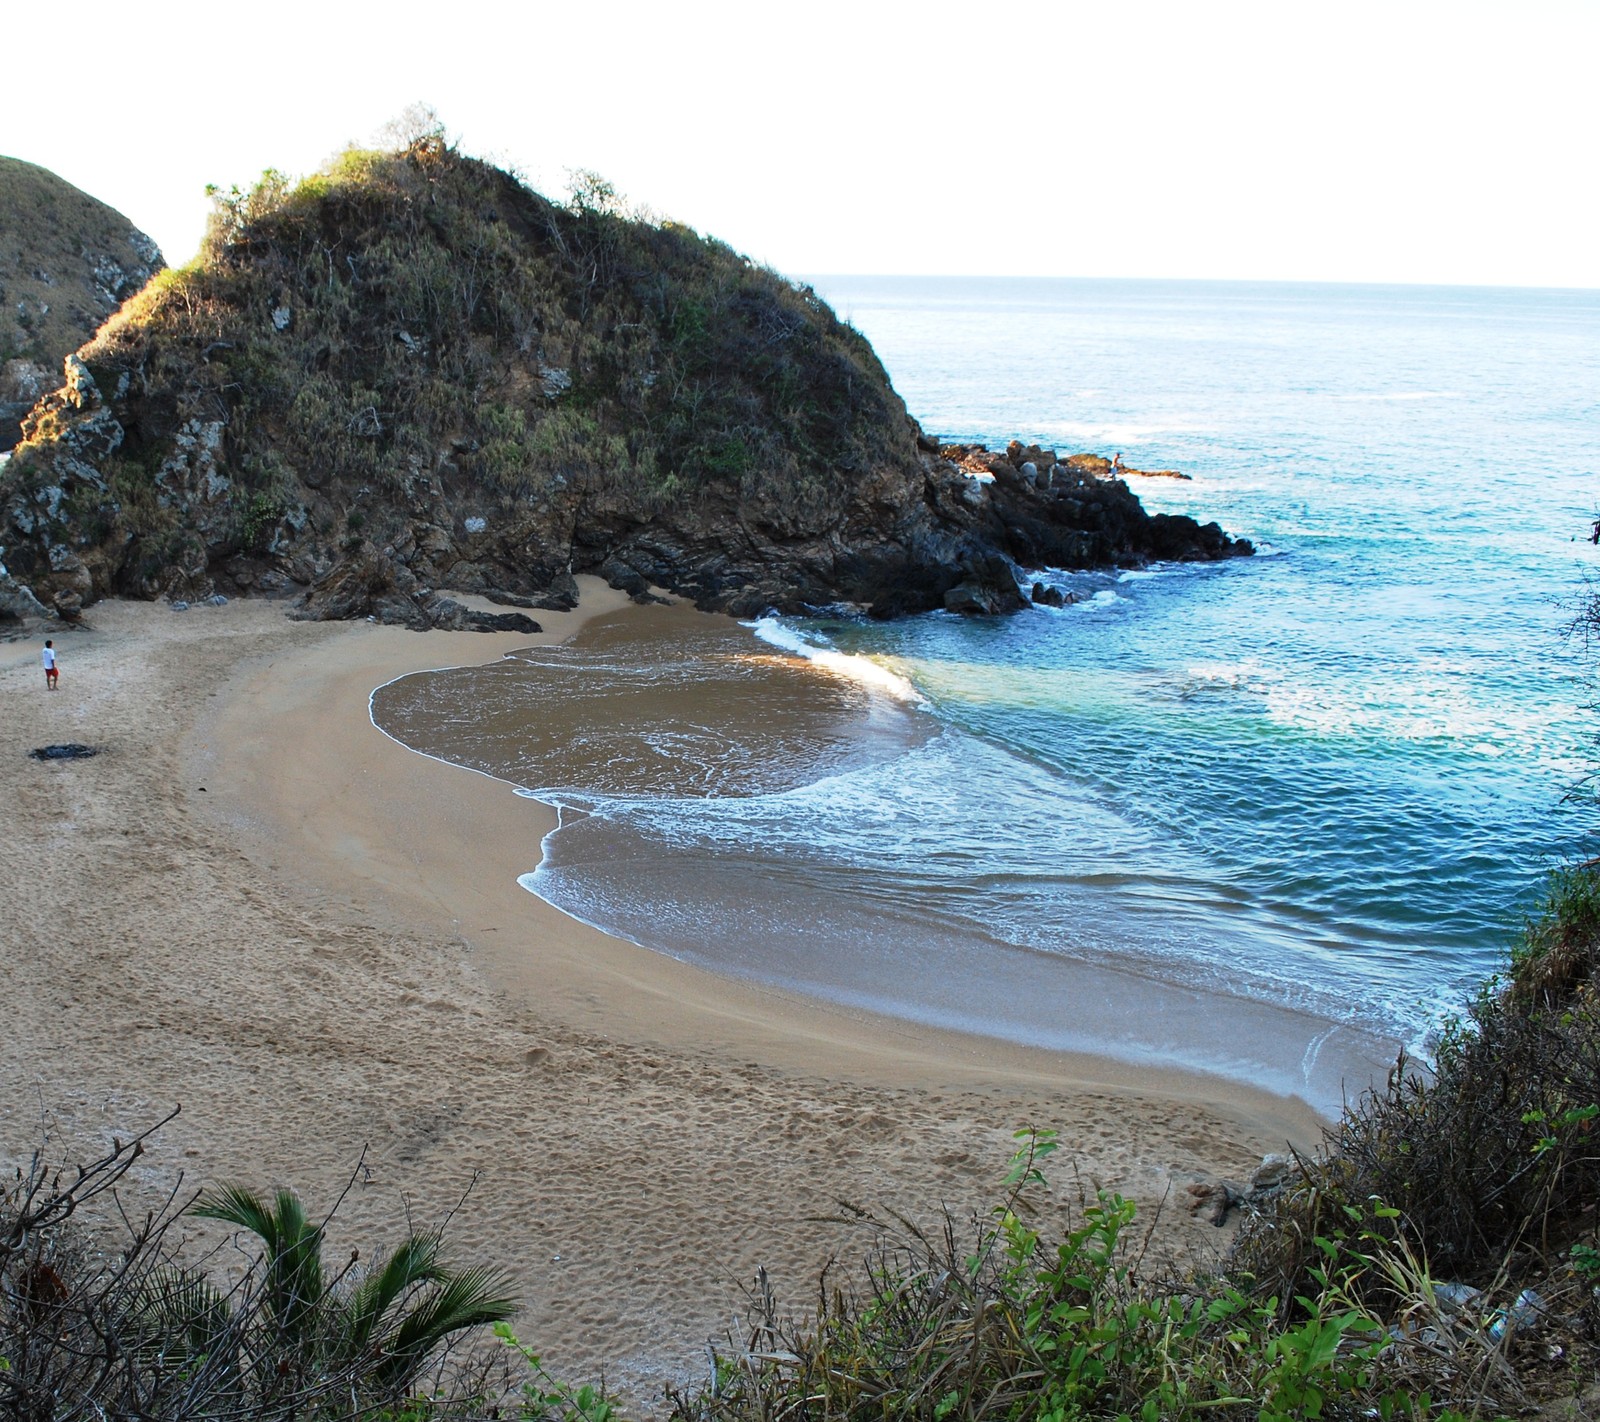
(410, 371)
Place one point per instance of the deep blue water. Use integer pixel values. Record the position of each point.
(1326, 779)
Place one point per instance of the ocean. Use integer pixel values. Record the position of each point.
(1272, 819)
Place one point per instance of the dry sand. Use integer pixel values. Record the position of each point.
(256, 904)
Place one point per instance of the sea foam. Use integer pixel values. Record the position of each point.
(862, 670)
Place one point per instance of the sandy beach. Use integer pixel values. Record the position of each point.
(255, 903)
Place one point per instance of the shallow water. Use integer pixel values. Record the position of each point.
(1259, 800)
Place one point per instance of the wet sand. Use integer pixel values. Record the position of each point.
(697, 731)
(255, 903)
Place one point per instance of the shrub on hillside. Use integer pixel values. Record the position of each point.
(1494, 1149)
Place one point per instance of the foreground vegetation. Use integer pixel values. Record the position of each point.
(1437, 1259)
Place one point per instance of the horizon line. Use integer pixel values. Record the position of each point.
(1213, 280)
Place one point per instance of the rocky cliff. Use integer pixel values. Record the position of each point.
(67, 261)
(411, 372)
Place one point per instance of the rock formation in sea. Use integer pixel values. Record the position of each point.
(410, 372)
(67, 261)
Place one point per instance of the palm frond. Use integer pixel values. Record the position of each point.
(414, 1262)
(465, 1298)
(292, 1246)
(237, 1205)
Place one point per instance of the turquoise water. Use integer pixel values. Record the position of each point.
(1322, 783)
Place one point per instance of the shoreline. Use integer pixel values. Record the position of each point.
(739, 916)
(258, 904)
(493, 810)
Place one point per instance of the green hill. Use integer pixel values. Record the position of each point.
(411, 372)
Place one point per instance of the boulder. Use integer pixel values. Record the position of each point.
(79, 387)
(448, 615)
(624, 577)
(990, 588)
(17, 603)
(349, 588)
(508, 599)
(1210, 1200)
(502, 622)
(1272, 1175)
(560, 595)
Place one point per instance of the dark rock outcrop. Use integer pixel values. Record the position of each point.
(412, 373)
(1212, 1200)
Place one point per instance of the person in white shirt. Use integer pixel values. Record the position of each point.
(51, 673)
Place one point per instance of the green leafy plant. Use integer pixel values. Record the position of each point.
(1585, 1259)
(379, 1328)
(545, 1398)
(261, 515)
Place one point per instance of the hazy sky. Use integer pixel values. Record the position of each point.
(1412, 142)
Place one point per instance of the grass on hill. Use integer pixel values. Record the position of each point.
(52, 237)
(406, 324)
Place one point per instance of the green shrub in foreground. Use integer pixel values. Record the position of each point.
(994, 1321)
(1494, 1152)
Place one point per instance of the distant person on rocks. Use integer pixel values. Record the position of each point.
(52, 673)
(1116, 463)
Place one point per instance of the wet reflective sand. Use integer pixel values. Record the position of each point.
(679, 747)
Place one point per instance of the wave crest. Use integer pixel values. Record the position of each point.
(861, 670)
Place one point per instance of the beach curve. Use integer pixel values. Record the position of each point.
(261, 906)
